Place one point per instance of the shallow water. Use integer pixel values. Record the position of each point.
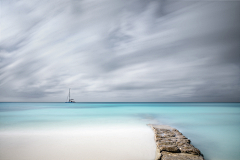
(212, 127)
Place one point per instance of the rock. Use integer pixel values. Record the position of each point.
(172, 145)
(181, 142)
(181, 137)
(165, 143)
(158, 155)
(188, 148)
(169, 148)
(179, 156)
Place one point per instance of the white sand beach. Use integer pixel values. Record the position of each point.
(85, 143)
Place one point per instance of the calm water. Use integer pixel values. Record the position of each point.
(213, 127)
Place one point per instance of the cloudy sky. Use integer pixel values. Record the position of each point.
(120, 50)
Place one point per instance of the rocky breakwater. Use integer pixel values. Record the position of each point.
(172, 145)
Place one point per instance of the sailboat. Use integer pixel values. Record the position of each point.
(69, 99)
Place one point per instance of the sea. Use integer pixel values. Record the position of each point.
(213, 128)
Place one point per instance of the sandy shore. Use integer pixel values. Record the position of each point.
(87, 143)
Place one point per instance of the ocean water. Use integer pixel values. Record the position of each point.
(212, 127)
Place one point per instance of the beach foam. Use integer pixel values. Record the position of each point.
(86, 143)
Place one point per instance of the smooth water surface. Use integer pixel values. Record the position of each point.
(212, 127)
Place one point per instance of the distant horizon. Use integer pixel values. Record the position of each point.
(121, 102)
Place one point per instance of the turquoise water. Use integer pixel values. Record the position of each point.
(212, 127)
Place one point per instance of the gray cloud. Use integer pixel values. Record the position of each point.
(112, 50)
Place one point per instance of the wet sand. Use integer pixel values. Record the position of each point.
(88, 143)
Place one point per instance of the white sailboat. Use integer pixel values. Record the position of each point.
(69, 99)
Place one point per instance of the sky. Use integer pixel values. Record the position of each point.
(120, 50)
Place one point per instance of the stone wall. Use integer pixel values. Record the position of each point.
(172, 145)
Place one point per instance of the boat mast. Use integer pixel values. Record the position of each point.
(69, 94)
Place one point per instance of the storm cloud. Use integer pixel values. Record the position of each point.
(120, 50)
